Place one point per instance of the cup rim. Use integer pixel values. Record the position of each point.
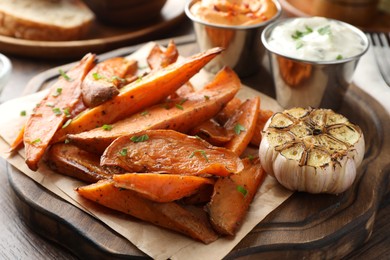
(267, 31)
(7, 66)
(236, 27)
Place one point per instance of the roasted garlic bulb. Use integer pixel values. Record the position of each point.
(312, 150)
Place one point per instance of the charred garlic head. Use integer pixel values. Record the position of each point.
(312, 150)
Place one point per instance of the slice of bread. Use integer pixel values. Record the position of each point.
(45, 20)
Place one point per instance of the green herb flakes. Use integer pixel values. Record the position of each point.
(139, 138)
(64, 75)
(178, 106)
(242, 190)
(201, 152)
(339, 57)
(107, 127)
(324, 30)
(57, 93)
(38, 140)
(123, 152)
(97, 76)
(23, 113)
(238, 128)
(57, 111)
(144, 113)
(67, 123)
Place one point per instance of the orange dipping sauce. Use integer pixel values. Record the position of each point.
(234, 12)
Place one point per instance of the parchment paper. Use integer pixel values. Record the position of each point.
(156, 242)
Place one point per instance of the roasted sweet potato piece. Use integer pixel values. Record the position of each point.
(168, 215)
(201, 197)
(18, 142)
(232, 197)
(161, 187)
(185, 113)
(212, 132)
(70, 160)
(102, 83)
(228, 111)
(54, 110)
(172, 152)
(262, 118)
(140, 94)
(243, 123)
(158, 58)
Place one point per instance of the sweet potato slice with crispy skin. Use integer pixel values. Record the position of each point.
(191, 110)
(212, 132)
(158, 58)
(161, 187)
(53, 111)
(70, 160)
(243, 123)
(168, 215)
(232, 197)
(262, 118)
(138, 95)
(172, 152)
(228, 111)
(103, 82)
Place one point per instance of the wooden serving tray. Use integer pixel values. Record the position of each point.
(320, 226)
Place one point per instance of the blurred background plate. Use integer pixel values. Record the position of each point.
(380, 22)
(101, 38)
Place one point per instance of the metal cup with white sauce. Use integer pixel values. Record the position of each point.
(306, 81)
(243, 52)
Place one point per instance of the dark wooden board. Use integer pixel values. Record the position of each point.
(320, 226)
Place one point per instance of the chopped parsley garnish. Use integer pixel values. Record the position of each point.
(67, 123)
(339, 57)
(179, 106)
(242, 190)
(64, 75)
(66, 112)
(57, 111)
(50, 104)
(299, 45)
(118, 78)
(299, 34)
(206, 97)
(144, 113)
(97, 76)
(139, 79)
(38, 140)
(238, 129)
(201, 152)
(107, 127)
(23, 113)
(324, 30)
(139, 138)
(57, 93)
(123, 152)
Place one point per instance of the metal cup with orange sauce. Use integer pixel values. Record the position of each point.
(235, 25)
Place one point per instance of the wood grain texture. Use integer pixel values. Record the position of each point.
(101, 38)
(315, 226)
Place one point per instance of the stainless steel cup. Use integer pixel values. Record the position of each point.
(243, 52)
(300, 83)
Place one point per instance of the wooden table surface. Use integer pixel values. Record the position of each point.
(18, 241)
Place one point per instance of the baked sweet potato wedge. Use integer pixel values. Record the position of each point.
(262, 118)
(158, 58)
(243, 124)
(172, 152)
(102, 83)
(140, 94)
(168, 215)
(161, 187)
(180, 114)
(54, 110)
(232, 196)
(212, 132)
(70, 160)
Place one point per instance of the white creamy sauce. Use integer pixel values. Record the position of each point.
(315, 39)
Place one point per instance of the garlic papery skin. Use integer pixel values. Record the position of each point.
(312, 150)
